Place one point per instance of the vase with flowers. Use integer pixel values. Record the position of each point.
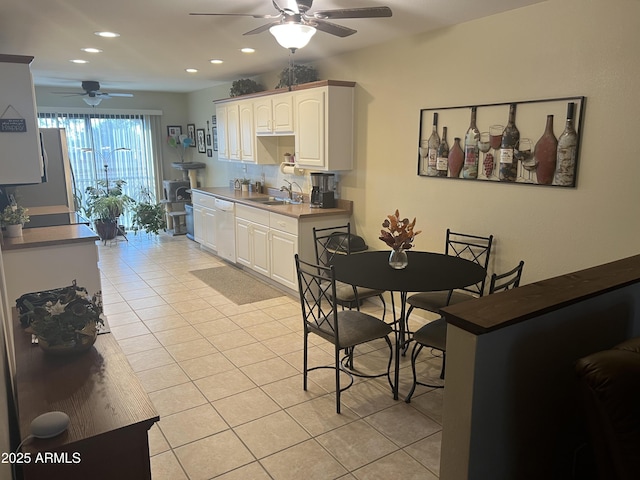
(399, 235)
(13, 219)
(181, 144)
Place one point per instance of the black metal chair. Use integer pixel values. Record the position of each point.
(331, 241)
(470, 247)
(344, 329)
(434, 334)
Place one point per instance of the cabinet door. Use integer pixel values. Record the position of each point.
(282, 116)
(284, 246)
(21, 156)
(243, 242)
(262, 116)
(233, 132)
(198, 224)
(221, 125)
(209, 222)
(310, 128)
(247, 132)
(260, 249)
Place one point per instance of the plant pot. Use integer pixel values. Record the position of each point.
(14, 231)
(107, 230)
(398, 259)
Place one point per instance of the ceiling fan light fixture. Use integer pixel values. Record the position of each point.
(292, 35)
(92, 101)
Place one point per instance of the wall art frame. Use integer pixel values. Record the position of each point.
(174, 130)
(530, 119)
(191, 132)
(201, 140)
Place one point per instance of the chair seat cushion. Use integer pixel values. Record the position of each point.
(433, 334)
(434, 301)
(354, 328)
(345, 293)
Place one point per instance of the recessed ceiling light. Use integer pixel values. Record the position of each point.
(78, 60)
(107, 34)
(247, 50)
(192, 70)
(216, 61)
(91, 50)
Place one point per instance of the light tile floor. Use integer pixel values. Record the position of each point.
(226, 380)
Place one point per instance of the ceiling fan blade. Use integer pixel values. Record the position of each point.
(68, 94)
(261, 29)
(364, 12)
(332, 28)
(104, 94)
(237, 15)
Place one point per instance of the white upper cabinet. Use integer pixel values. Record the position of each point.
(324, 128)
(236, 134)
(20, 151)
(274, 114)
(318, 117)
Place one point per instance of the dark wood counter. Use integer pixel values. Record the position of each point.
(50, 236)
(109, 410)
(500, 310)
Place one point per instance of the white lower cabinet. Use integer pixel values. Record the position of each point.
(252, 238)
(204, 220)
(283, 266)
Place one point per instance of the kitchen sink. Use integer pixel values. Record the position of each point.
(274, 201)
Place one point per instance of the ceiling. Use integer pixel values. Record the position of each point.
(159, 40)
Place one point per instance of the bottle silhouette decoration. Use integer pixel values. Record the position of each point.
(442, 159)
(545, 154)
(471, 151)
(567, 150)
(456, 158)
(432, 145)
(510, 143)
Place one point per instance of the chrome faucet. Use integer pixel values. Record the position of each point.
(294, 197)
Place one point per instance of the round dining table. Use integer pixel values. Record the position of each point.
(426, 272)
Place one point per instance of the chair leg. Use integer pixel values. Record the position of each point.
(444, 357)
(405, 344)
(417, 348)
(304, 362)
(337, 365)
(384, 306)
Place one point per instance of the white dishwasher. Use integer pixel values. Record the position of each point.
(226, 229)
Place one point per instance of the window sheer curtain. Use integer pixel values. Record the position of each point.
(128, 144)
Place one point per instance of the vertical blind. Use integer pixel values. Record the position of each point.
(121, 142)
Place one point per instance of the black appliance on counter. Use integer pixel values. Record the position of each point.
(322, 194)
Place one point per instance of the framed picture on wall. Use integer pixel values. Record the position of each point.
(209, 153)
(208, 139)
(174, 130)
(191, 131)
(214, 133)
(200, 140)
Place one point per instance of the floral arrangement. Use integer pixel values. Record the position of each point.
(62, 316)
(14, 215)
(399, 234)
(180, 143)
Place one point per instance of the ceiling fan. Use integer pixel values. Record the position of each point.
(92, 94)
(293, 25)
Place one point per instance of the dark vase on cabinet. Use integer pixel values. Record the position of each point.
(545, 154)
(456, 159)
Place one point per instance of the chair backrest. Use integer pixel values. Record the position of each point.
(317, 289)
(331, 241)
(470, 247)
(507, 280)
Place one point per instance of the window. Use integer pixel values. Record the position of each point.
(117, 147)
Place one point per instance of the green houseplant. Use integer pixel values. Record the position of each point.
(104, 205)
(65, 320)
(244, 86)
(298, 75)
(13, 218)
(148, 215)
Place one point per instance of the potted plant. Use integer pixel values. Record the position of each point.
(297, 75)
(245, 182)
(104, 205)
(65, 320)
(244, 86)
(13, 218)
(148, 215)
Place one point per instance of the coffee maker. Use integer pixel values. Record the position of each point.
(322, 195)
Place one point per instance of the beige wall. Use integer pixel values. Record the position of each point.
(553, 49)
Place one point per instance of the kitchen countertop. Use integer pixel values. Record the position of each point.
(300, 211)
(50, 236)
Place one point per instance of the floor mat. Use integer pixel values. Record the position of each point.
(236, 285)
